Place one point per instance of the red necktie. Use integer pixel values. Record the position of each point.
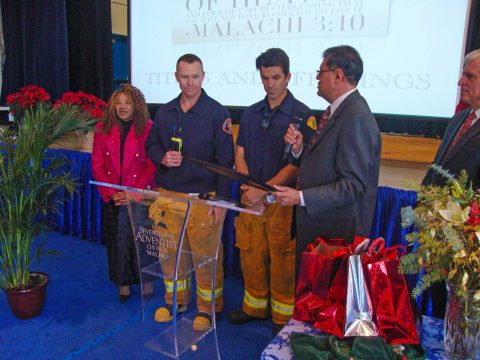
(320, 125)
(463, 129)
(323, 119)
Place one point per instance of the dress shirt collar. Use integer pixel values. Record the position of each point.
(175, 103)
(339, 100)
(477, 116)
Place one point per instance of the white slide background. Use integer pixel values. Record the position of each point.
(412, 49)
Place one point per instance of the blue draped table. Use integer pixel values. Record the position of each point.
(80, 214)
(280, 349)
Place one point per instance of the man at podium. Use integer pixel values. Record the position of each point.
(193, 124)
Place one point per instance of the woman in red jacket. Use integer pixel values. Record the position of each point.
(119, 157)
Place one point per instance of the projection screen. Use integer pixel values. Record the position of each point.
(412, 49)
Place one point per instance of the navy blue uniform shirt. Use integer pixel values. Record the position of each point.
(264, 148)
(205, 130)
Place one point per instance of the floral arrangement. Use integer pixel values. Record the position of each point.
(26, 97)
(447, 238)
(85, 106)
(87, 102)
(31, 96)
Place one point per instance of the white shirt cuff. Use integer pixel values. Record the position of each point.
(302, 202)
(297, 156)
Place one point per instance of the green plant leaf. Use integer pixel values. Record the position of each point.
(32, 184)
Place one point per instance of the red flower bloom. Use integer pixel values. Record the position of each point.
(91, 104)
(473, 215)
(473, 221)
(26, 96)
(474, 210)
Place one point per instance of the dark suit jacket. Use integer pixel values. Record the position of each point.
(339, 176)
(464, 155)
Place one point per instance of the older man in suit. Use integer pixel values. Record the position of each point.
(460, 149)
(338, 179)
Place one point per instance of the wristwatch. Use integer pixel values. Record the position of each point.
(269, 199)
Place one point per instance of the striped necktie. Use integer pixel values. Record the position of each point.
(467, 124)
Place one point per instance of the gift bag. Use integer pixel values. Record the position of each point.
(322, 284)
(347, 310)
(318, 268)
(358, 313)
(389, 296)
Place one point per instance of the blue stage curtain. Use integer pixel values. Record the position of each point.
(387, 219)
(90, 46)
(36, 46)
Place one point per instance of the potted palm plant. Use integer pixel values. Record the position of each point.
(31, 184)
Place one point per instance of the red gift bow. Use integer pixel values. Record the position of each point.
(377, 251)
(358, 241)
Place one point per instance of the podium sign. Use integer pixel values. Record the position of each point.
(183, 272)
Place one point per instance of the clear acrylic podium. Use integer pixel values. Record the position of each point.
(181, 271)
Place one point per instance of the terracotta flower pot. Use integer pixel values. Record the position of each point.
(28, 303)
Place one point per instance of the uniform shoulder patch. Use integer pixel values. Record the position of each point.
(312, 122)
(227, 126)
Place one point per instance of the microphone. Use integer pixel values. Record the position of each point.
(297, 122)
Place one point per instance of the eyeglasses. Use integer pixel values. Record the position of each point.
(321, 71)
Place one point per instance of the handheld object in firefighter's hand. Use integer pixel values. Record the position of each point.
(176, 144)
(233, 175)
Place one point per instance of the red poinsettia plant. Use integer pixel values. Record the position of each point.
(25, 97)
(87, 102)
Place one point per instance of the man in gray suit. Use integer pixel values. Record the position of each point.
(460, 149)
(338, 179)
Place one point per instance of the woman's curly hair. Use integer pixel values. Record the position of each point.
(140, 109)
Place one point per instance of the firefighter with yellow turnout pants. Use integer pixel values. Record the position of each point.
(265, 243)
(193, 124)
